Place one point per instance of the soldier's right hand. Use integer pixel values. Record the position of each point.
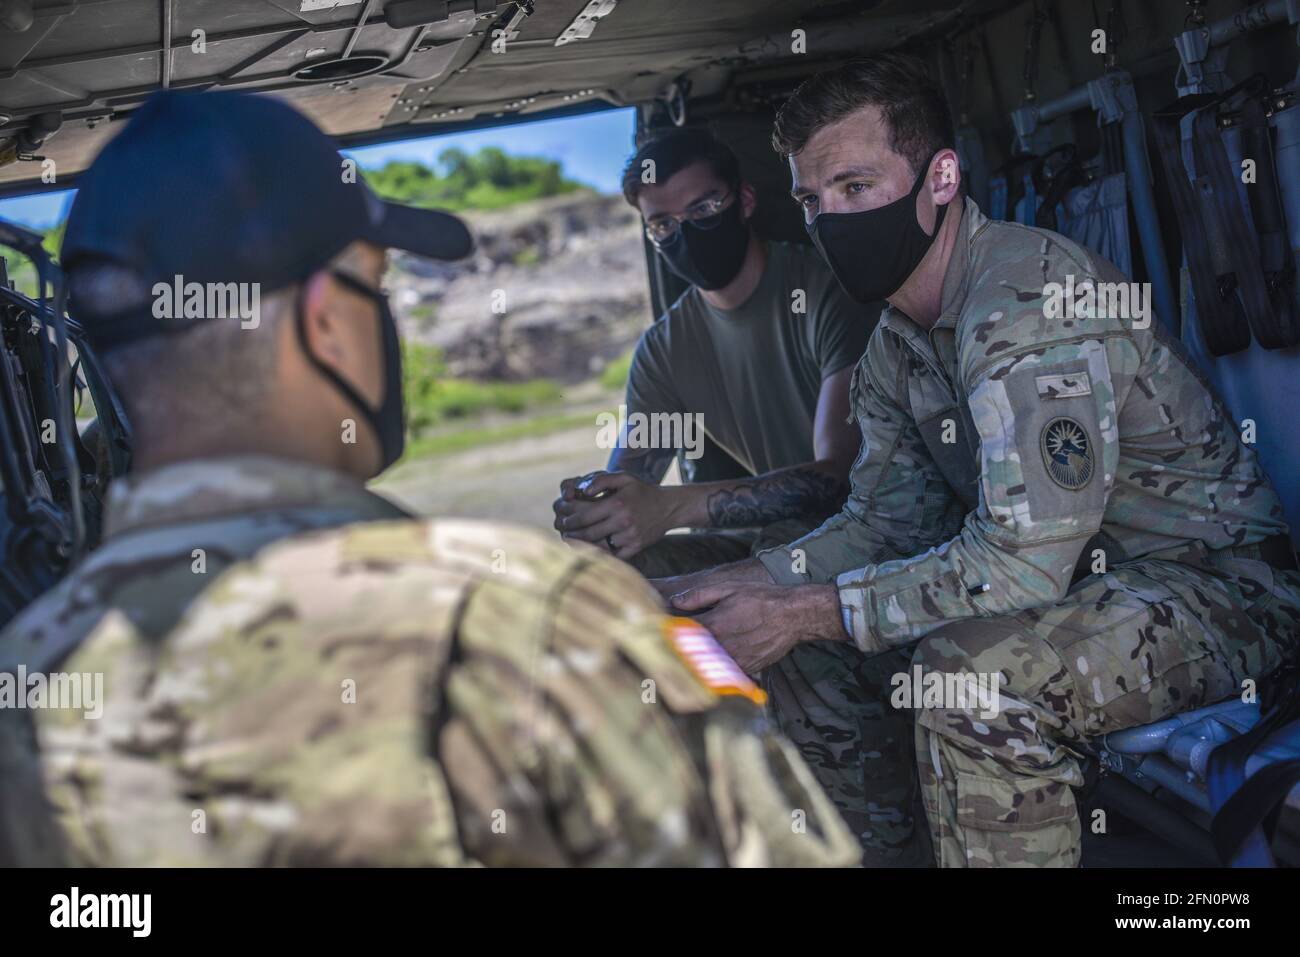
(674, 585)
(748, 570)
(569, 488)
(574, 491)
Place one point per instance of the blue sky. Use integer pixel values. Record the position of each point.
(592, 148)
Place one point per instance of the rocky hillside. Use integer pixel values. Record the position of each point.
(556, 288)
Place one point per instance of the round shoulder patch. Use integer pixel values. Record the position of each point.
(1067, 453)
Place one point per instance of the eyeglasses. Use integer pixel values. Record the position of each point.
(664, 229)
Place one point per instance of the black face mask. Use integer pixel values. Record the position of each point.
(389, 420)
(872, 252)
(709, 255)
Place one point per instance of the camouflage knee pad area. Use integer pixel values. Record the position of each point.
(1145, 641)
(997, 787)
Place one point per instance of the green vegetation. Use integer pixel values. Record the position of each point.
(21, 270)
(528, 256)
(614, 375)
(422, 313)
(442, 412)
(54, 239)
(432, 397)
(488, 179)
(442, 443)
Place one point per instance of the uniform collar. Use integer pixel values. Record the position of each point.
(203, 489)
(956, 278)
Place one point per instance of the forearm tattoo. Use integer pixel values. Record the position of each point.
(794, 493)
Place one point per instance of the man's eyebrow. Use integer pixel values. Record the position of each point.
(710, 194)
(852, 172)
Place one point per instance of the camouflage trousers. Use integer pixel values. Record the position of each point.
(832, 702)
(695, 552)
(1142, 642)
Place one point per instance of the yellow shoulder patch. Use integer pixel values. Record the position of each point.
(708, 661)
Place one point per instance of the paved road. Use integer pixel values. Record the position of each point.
(512, 481)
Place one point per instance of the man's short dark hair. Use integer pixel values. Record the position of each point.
(675, 150)
(195, 380)
(899, 85)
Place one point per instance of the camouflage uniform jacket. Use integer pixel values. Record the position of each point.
(435, 692)
(1057, 432)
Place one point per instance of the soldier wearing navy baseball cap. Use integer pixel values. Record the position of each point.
(225, 260)
(290, 680)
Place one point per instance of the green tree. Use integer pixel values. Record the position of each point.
(495, 167)
(456, 165)
(488, 179)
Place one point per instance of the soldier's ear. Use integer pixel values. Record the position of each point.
(320, 320)
(748, 199)
(945, 176)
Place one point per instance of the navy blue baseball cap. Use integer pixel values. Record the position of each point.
(223, 187)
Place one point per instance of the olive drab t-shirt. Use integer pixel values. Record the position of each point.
(754, 373)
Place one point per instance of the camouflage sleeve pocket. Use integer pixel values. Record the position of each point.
(855, 391)
(1048, 436)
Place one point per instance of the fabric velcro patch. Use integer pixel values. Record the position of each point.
(709, 661)
(1063, 386)
(1067, 453)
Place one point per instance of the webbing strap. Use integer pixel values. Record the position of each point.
(1216, 180)
(1209, 261)
(1253, 809)
(1278, 326)
(1239, 838)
